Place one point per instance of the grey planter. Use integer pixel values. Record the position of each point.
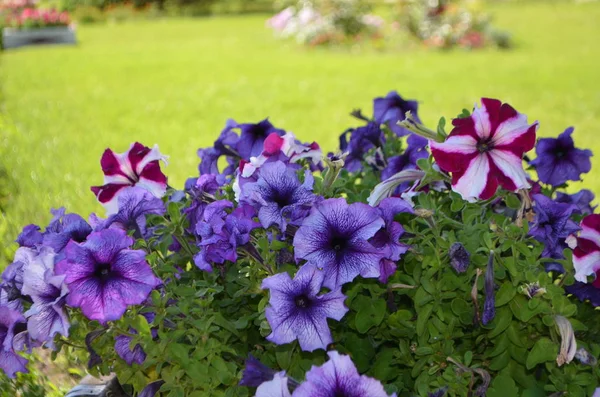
(13, 38)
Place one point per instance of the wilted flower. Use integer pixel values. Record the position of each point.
(533, 289)
(277, 387)
(338, 377)
(489, 306)
(559, 161)
(47, 316)
(335, 237)
(552, 224)
(10, 362)
(151, 389)
(104, 276)
(459, 257)
(585, 357)
(297, 311)
(138, 166)
(486, 150)
(255, 373)
(388, 187)
(279, 196)
(391, 109)
(415, 150)
(568, 344)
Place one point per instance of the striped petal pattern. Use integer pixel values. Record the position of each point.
(485, 150)
(586, 255)
(138, 166)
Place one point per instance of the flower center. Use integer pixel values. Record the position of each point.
(302, 301)
(559, 154)
(102, 271)
(338, 243)
(484, 146)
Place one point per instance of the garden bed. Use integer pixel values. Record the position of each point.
(14, 38)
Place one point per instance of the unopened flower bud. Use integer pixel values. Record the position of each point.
(459, 257)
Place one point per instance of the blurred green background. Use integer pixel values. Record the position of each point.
(174, 82)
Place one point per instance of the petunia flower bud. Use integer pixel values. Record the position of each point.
(489, 306)
(459, 257)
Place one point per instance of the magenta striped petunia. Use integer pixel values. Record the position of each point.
(138, 166)
(586, 256)
(485, 150)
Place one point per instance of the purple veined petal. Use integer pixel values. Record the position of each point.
(255, 373)
(11, 363)
(89, 295)
(137, 355)
(46, 320)
(277, 387)
(151, 389)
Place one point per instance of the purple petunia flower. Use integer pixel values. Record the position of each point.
(552, 224)
(489, 306)
(223, 146)
(459, 257)
(276, 387)
(134, 204)
(338, 377)
(415, 150)
(279, 195)
(297, 311)
(64, 228)
(10, 362)
(221, 233)
(362, 140)
(252, 137)
(137, 355)
(151, 389)
(335, 237)
(104, 276)
(559, 161)
(30, 236)
(255, 373)
(47, 316)
(585, 292)
(582, 199)
(391, 109)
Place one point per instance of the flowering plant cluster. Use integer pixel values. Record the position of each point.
(451, 23)
(33, 18)
(327, 22)
(415, 261)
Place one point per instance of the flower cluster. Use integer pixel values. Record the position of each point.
(417, 260)
(32, 18)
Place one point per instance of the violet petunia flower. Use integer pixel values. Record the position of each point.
(223, 146)
(30, 236)
(279, 196)
(255, 373)
(10, 361)
(134, 204)
(552, 224)
(559, 161)
(137, 355)
(47, 316)
(335, 237)
(486, 150)
(391, 109)
(104, 275)
(297, 311)
(362, 140)
(460, 258)
(252, 137)
(64, 228)
(582, 199)
(406, 161)
(338, 377)
(151, 388)
(489, 305)
(276, 387)
(138, 166)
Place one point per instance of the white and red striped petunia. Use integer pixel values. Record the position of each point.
(139, 166)
(486, 150)
(586, 255)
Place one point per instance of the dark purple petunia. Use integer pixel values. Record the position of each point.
(559, 161)
(585, 292)
(151, 389)
(64, 228)
(30, 236)
(387, 239)
(221, 233)
(199, 190)
(279, 196)
(415, 150)
(335, 237)
(223, 146)
(252, 137)
(137, 355)
(362, 140)
(582, 199)
(459, 257)
(47, 316)
(297, 311)
(255, 373)
(134, 204)
(104, 276)
(552, 224)
(10, 361)
(489, 306)
(441, 392)
(338, 377)
(391, 109)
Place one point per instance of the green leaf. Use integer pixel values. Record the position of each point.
(423, 318)
(502, 386)
(505, 294)
(543, 351)
(501, 322)
(370, 314)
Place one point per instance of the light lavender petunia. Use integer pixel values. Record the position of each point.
(338, 377)
(104, 276)
(277, 387)
(297, 311)
(335, 237)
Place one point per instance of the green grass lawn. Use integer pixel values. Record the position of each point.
(175, 82)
